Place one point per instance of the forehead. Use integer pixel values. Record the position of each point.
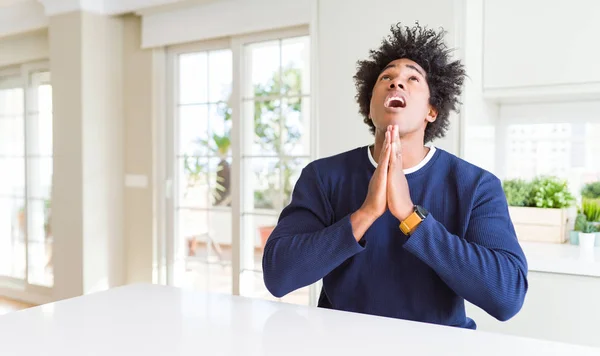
(405, 63)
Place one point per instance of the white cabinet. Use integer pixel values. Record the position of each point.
(541, 46)
(558, 307)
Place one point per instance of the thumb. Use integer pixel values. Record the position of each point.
(385, 158)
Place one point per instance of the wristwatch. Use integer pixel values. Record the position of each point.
(409, 224)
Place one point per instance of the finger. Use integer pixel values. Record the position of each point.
(386, 158)
(393, 155)
(386, 142)
(398, 143)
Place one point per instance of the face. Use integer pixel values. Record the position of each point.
(401, 97)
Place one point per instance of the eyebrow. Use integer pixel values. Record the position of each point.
(407, 65)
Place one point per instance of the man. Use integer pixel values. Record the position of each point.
(398, 228)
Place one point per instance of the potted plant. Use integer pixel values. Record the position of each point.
(517, 192)
(590, 208)
(539, 208)
(587, 236)
(580, 222)
(591, 190)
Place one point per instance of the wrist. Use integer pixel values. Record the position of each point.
(414, 219)
(405, 211)
(367, 214)
(361, 220)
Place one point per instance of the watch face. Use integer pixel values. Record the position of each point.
(421, 211)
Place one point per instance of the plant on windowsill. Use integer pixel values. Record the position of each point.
(587, 231)
(590, 208)
(539, 208)
(591, 191)
(580, 222)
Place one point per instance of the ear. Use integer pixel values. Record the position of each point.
(431, 115)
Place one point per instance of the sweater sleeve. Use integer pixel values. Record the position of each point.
(306, 244)
(488, 267)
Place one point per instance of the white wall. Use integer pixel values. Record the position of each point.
(557, 307)
(347, 30)
(139, 139)
(103, 165)
(87, 196)
(24, 48)
(480, 117)
(221, 19)
(540, 43)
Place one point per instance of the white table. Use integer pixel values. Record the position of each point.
(154, 320)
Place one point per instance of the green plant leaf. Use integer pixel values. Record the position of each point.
(550, 192)
(589, 228)
(591, 209)
(591, 190)
(580, 222)
(517, 192)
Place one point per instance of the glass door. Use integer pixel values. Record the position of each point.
(25, 190)
(276, 125)
(200, 210)
(13, 222)
(239, 134)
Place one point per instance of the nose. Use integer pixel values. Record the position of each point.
(396, 84)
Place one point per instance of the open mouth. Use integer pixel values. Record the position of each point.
(395, 101)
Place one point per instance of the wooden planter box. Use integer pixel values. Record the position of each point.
(540, 225)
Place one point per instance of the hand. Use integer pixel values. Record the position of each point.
(398, 194)
(375, 203)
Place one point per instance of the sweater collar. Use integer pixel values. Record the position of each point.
(421, 164)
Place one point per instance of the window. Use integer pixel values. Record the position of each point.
(25, 192)
(559, 139)
(271, 92)
(565, 150)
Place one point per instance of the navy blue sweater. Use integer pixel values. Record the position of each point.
(466, 249)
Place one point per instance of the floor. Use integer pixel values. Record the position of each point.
(8, 306)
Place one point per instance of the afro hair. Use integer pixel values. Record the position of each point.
(426, 47)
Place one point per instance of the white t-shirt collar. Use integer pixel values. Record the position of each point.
(411, 169)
